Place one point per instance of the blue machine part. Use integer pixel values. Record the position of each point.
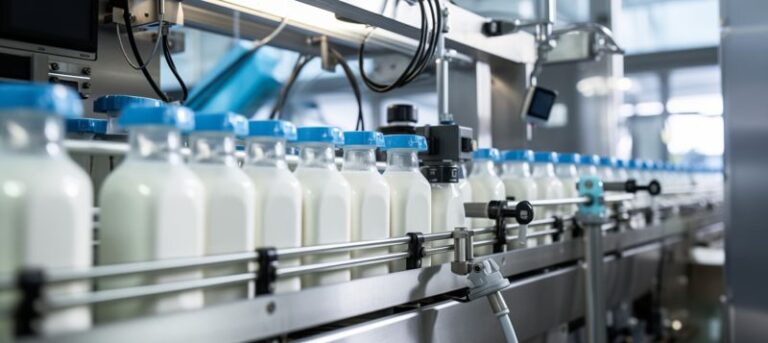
(591, 187)
(87, 125)
(241, 82)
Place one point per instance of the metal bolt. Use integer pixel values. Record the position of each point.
(477, 268)
(86, 71)
(588, 184)
(271, 307)
(87, 85)
(54, 66)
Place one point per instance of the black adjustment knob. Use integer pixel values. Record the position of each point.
(402, 113)
(523, 212)
(654, 188)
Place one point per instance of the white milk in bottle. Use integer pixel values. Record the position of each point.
(568, 174)
(465, 189)
(370, 197)
(518, 181)
(486, 185)
(410, 194)
(45, 198)
(549, 187)
(326, 203)
(278, 192)
(152, 208)
(588, 165)
(229, 197)
(447, 203)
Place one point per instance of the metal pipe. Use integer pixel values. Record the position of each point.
(437, 250)
(340, 247)
(56, 276)
(330, 266)
(56, 302)
(442, 67)
(593, 251)
(428, 237)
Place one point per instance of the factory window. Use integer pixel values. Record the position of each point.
(695, 90)
(657, 25)
(694, 135)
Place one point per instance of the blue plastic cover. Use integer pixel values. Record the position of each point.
(492, 154)
(272, 128)
(167, 115)
(87, 125)
(412, 142)
(621, 163)
(569, 158)
(320, 134)
(53, 99)
(113, 103)
(518, 155)
(221, 122)
(372, 139)
(589, 160)
(606, 161)
(545, 157)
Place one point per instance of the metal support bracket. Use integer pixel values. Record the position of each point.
(415, 249)
(27, 315)
(267, 273)
(558, 225)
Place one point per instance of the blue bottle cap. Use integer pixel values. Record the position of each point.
(606, 161)
(545, 157)
(280, 129)
(221, 122)
(620, 163)
(634, 164)
(569, 158)
(589, 160)
(167, 115)
(518, 155)
(371, 139)
(411, 142)
(49, 99)
(87, 125)
(113, 103)
(486, 154)
(320, 134)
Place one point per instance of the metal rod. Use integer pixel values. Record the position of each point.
(340, 247)
(542, 233)
(336, 265)
(55, 276)
(596, 330)
(438, 250)
(428, 237)
(65, 301)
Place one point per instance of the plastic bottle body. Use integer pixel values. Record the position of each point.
(447, 214)
(326, 210)
(46, 209)
(519, 184)
(229, 208)
(410, 199)
(569, 177)
(152, 208)
(370, 205)
(549, 187)
(486, 186)
(465, 189)
(278, 202)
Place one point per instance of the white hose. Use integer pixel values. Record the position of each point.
(506, 326)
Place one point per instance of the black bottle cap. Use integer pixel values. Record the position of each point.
(402, 113)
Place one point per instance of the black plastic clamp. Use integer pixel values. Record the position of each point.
(415, 250)
(267, 273)
(501, 235)
(559, 226)
(29, 282)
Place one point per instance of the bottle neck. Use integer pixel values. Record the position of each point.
(359, 159)
(566, 170)
(213, 148)
(543, 169)
(267, 152)
(402, 160)
(516, 168)
(588, 170)
(24, 133)
(317, 155)
(155, 143)
(483, 167)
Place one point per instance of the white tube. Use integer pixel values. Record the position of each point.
(506, 326)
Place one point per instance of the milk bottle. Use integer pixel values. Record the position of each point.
(278, 191)
(152, 208)
(370, 196)
(588, 165)
(447, 202)
(112, 106)
(45, 198)
(326, 202)
(518, 182)
(229, 197)
(569, 176)
(549, 186)
(486, 185)
(605, 169)
(410, 194)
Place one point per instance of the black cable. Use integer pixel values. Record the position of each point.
(137, 55)
(172, 66)
(277, 108)
(360, 125)
(431, 29)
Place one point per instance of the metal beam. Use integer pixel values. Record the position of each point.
(667, 60)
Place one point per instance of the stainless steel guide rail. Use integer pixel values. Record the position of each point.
(272, 315)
